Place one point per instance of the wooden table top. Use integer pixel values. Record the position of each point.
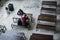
(49, 9)
(53, 3)
(46, 27)
(45, 17)
(41, 37)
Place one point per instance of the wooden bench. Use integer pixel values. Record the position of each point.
(41, 37)
(45, 17)
(29, 14)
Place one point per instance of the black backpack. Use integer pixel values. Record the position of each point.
(19, 22)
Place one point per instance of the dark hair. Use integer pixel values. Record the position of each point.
(20, 9)
(25, 15)
(6, 8)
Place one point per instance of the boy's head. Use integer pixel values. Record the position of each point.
(20, 9)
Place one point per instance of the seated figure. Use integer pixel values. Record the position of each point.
(24, 20)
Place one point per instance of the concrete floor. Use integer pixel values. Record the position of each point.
(28, 7)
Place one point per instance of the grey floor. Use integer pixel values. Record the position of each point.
(28, 7)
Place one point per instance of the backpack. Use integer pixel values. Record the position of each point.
(19, 22)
